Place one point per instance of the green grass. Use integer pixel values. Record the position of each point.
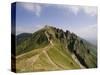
(31, 55)
(62, 60)
(37, 40)
(43, 64)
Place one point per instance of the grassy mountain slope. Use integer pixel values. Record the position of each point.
(36, 40)
(53, 49)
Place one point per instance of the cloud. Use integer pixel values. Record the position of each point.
(36, 8)
(74, 9)
(92, 11)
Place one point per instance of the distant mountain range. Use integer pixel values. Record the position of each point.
(51, 48)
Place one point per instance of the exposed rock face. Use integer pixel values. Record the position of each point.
(65, 44)
(74, 44)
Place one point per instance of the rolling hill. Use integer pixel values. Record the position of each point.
(51, 48)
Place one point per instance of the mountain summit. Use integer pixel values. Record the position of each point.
(51, 48)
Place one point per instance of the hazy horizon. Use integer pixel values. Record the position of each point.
(82, 20)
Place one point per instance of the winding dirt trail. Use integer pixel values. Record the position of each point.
(49, 39)
(50, 60)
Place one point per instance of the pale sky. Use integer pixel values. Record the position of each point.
(81, 20)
